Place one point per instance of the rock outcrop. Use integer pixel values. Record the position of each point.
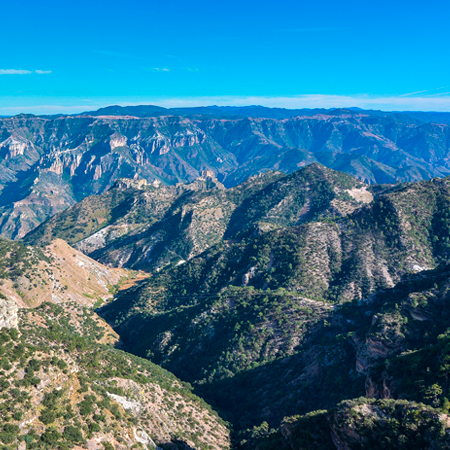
(364, 423)
(8, 314)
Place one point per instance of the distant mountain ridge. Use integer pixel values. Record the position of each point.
(261, 112)
(49, 164)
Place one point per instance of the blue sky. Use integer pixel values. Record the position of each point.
(67, 57)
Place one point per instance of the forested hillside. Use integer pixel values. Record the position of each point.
(64, 386)
(310, 310)
(281, 320)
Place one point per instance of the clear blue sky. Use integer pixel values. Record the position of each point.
(377, 54)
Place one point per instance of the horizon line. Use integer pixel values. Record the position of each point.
(71, 105)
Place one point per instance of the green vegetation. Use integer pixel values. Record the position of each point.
(81, 375)
(368, 424)
(279, 320)
(17, 260)
(293, 297)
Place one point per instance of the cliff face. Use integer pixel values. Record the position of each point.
(55, 163)
(363, 423)
(49, 164)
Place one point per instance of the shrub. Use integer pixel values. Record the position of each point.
(107, 446)
(94, 427)
(73, 434)
(51, 437)
(47, 416)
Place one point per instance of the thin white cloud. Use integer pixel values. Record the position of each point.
(440, 94)
(14, 72)
(161, 69)
(413, 93)
(23, 72)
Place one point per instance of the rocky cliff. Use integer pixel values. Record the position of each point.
(362, 424)
(8, 314)
(48, 164)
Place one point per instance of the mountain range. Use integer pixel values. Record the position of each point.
(146, 226)
(288, 301)
(208, 280)
(260, 111)
(50, 163)
(287, 318)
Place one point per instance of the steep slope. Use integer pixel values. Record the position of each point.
(49, 164)
(311, 193)
(128, 206)
(402, 353)
(359, 166)
(56, 273)
(64, 386)
(261, 356)
(147, 227)
(260, 318)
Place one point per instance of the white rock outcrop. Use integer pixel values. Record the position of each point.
(8, 314)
